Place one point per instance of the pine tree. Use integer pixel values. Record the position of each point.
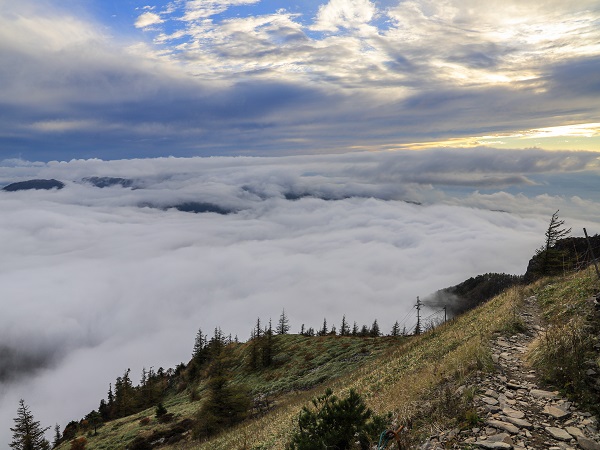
(267, 346)
(94, 420)
(225, 404)
(257, 329)
(57, 439)
(125, 395)
(199, 344)
(374, 331)
(395, 329)
(111, 397)
(333, 423)
(253, 362)
(344, 327)
(324, 330)
(355, 329)
(28, 434)
(550, 257)
(283, 325)
(364, 331)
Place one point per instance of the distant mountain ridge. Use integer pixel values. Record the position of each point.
(39, 184)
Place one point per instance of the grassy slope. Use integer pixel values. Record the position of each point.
(571, 345)
(400, 375)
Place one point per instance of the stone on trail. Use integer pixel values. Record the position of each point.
(556, 412)
(539, 393)
(501, 437)
(503, 426)
(510, 412)
(587, 444)
(489, 400)
(521, 423)
(574, 431)
(559, 433)
(493, 445)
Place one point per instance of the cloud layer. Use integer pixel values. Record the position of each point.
(96, 281)
(203, 78)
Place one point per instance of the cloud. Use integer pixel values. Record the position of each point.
(212, 82)
(338, 14)
(148, 19)
(200, 9)
(97, 282)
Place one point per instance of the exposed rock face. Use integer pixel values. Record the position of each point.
(34, 184)
(518, 413)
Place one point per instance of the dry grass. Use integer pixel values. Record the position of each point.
(415, 379)
(561, 353)
(398, 381)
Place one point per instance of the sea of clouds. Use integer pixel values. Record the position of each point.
(97, 280)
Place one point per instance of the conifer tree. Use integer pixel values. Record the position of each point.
(324, 330)
(267, 346)
(28, 434)
(94, 420)
(125, 395)
(253, 350)
(283, 326)
(111, 397)
(355, 329)
(199, 344)
(549, 257)
(374, 331)
(57, 439)
(344, 327)
(395, 329)
(257, 329)
(225, 405)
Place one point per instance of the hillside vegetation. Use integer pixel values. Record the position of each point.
(413, 380)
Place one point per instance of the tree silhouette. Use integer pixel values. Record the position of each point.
(28, 434)
(324, 330)
(283, 326)
(374, 331)
(395, 329)
(344, 327)
(550, 257)
(57, 439)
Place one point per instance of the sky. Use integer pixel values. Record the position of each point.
(366, 153)
(117, 79)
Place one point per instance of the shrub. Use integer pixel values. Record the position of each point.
(337, 424)
(78, 444)
(160, 410)
(225, 406)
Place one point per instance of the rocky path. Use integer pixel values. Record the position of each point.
(517, 413)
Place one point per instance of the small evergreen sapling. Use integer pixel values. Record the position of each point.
(334, 424)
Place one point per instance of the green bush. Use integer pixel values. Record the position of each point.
(335, 424)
